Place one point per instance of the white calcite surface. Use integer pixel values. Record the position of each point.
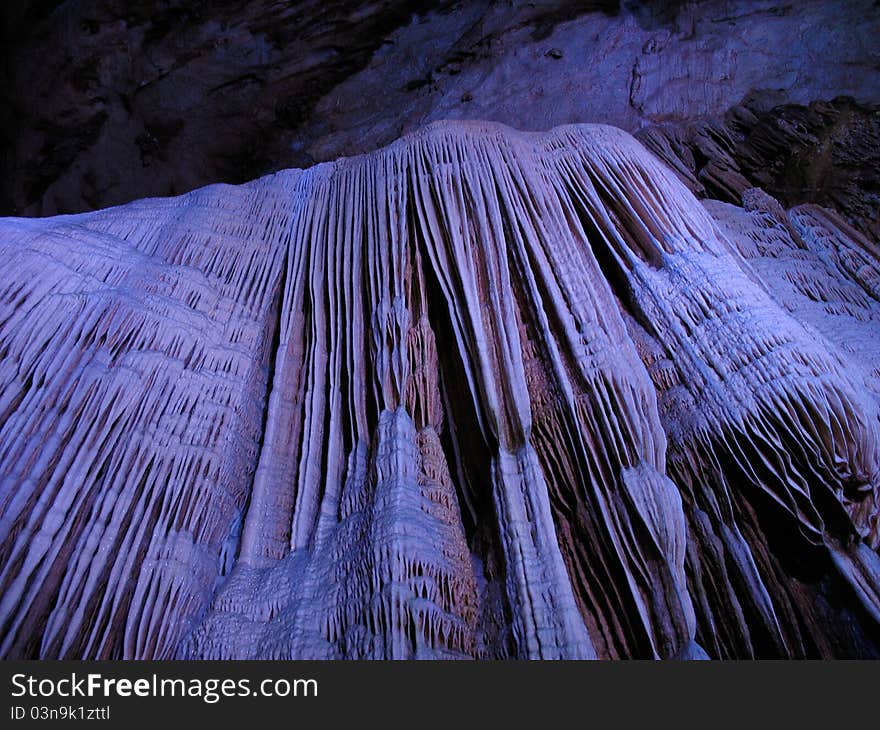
(481, 393)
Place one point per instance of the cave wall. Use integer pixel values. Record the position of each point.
(106, 101)
(475, 393)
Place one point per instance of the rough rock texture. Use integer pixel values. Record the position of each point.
(106, 101)
(826, 153)
(479, 394)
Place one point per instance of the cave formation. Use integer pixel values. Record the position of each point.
(478, 394)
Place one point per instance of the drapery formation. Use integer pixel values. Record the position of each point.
(478, 394)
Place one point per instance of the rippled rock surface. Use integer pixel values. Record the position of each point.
(478, 394)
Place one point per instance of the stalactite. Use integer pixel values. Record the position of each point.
(479, 394)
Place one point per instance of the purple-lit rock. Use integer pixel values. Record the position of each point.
(108, 101)
(479, 394)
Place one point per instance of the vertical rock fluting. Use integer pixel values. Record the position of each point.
(479, 394)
